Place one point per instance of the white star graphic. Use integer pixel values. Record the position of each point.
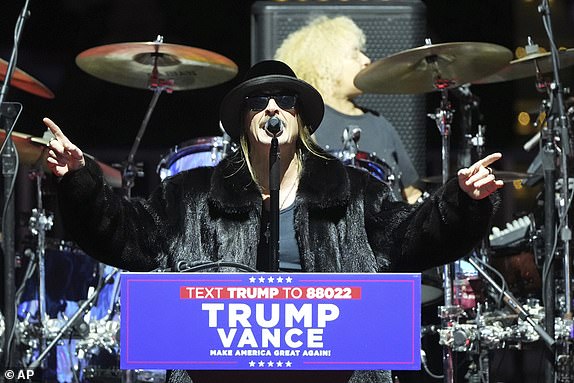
(270, 363)
(288, 279)
(279, 364)
(288, 364)
(261, 280)
(279, 279)
(252, 279)
(261, 363)
(251, 364)
(270, 279)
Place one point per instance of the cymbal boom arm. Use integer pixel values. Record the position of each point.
(157, 85)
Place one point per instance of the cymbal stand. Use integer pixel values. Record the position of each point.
(558, 131)
(9, 113)
(157, 85)
(9, 172)
(39, 223)
(449, 313)
(470, 104)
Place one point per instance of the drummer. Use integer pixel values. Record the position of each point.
(341, 43)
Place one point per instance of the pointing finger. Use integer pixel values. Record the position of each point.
(488, 160)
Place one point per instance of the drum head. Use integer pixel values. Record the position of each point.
(195, 153)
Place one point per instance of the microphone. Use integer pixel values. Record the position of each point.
(274, 126)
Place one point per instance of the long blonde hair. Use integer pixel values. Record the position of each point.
(313, 50)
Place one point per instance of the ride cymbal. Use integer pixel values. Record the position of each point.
(432, 67)
(34, 150)
(145, 65)
(25, 82)
(527, 67)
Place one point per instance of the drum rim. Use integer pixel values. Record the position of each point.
(179, 151)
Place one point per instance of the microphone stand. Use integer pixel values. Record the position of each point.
(274, 187)
(9, 171)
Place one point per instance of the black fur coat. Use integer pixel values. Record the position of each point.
(345, 221)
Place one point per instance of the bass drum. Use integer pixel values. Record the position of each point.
(199, 152)
(69, 275)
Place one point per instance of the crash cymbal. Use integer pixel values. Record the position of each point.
(132, 64)
(432, 67)
(33, 151)
(526, 66)
(25, 82)
(502, 175)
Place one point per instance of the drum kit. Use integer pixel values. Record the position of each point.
(82, 323)
(478, 314)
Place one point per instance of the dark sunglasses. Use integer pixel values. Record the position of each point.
(258, 103)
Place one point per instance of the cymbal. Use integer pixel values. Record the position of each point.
(502, 175)
(526, 66)
(132, 64)
(25, 82)
(34, 150)
(432, 67)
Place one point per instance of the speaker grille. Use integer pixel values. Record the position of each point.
(390, 27)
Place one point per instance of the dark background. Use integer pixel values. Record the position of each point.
(103, 118)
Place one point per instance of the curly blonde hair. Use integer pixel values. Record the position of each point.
(313, 50)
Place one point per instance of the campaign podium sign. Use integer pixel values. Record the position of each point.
(279, 321)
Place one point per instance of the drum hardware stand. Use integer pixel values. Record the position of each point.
(351, 136)
(82, 310)
(157, 85)
(9, 113)
(470, 104)
(39, 223)
(513, 303)
(448, 313)
(556, 132)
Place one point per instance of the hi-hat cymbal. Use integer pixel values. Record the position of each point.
(526, 66)
(33, 151)
(502, 175)
(133, 64)
(25, 82)
(432, 67)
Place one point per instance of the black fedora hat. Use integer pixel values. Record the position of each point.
(269, 77)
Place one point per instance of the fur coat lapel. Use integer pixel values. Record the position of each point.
(233, 191)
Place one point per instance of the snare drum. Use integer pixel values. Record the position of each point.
(199, 152)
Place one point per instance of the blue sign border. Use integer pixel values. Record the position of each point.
(374, 322)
